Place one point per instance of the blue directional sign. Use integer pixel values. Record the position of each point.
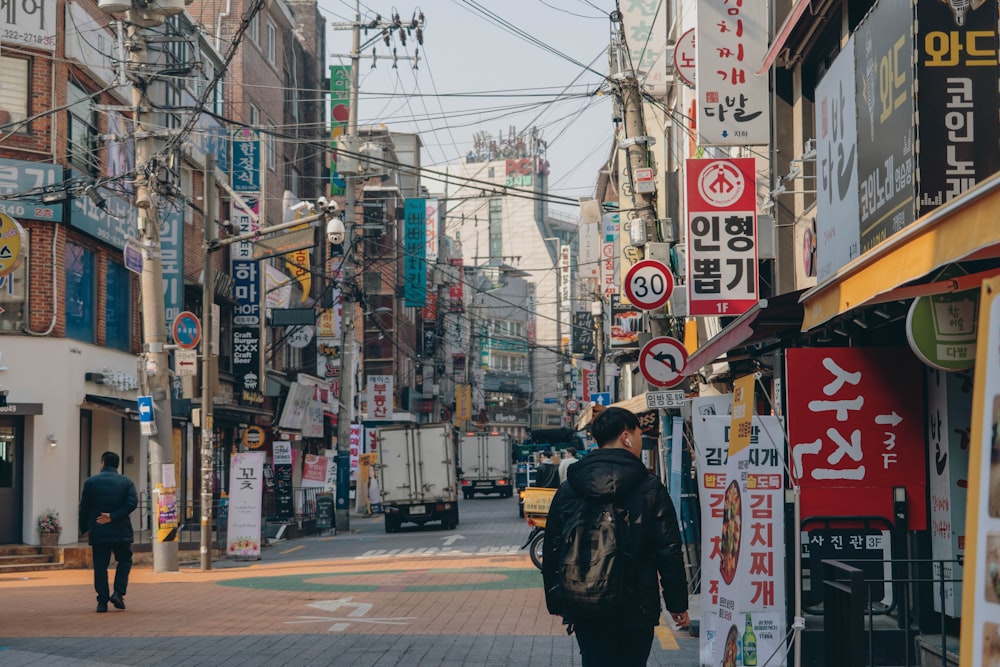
(603, 398)
(145, 409)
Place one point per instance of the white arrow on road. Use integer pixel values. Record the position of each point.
(451, 539)
(355, 615)
(360, 608)
(891, 420)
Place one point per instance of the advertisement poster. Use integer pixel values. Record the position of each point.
(247, 357)
(626, 324)
(282, 452)
(883, 53)
(980, 633)
(722, 236)
(733, 103)
(856, 431)
(167, 514)
(743, 565)
(246, 474)
(836, 166)
(355, 450)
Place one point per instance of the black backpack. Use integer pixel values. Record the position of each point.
(595, 569)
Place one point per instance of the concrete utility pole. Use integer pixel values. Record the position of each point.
(154, 362)
(207, 364)
(384, 30)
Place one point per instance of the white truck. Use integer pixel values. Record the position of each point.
(418, 475)
(485, 462)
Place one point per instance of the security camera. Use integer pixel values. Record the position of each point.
(328, 205)
(298, 206)
(335, 231)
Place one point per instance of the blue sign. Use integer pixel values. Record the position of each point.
(245, 164)
(415, 261)
(133, 258)
(603, 398)
(172, 253)
(109, 217)
(550, 400)
(145, 409)
(20, 176)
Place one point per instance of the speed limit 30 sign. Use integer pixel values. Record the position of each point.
(649, 284)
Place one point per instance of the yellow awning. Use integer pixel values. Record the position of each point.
(636, 404)
(964, 229)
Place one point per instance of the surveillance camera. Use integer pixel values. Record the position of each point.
(328, 205)
(335, 231)
(299, 206)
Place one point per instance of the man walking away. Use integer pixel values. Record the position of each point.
(547, 473)
(107, 501)
(565, 463)
(612, 547)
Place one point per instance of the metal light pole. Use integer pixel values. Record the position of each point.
(207, 364)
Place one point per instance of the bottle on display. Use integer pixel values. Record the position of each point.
(749, 645)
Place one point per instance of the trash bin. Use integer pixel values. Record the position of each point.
(324, 513)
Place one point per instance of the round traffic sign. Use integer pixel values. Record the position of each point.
(187, 330)
(662, 361)
(649, 284)
(13, 244)
(572, 406)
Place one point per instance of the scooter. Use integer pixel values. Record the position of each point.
(535, 543)
(536, 512)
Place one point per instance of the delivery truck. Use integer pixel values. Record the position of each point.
(485, 463)
(418, 475)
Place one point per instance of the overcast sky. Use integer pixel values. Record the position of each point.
(526, 61)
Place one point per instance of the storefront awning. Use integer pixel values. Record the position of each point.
(239, 413)
(119, 406)
(767, 319)
(965, 229)
(784, 32)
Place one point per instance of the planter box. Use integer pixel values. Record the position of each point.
(49, 539)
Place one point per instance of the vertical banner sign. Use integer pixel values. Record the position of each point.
(956, 58)
(981, 586)
(432, 234)
(355, 450)
(245, 163)
(172, 253)
(532, 302)
(246, 484)
(609, 267)
(741, 414)
(415, 247)
(949, 420)
(645, 24)
(583, 334)
(743, 569)
(380, 397)
(247, 358)
(722, 236)
(282, 453)
(456, 302)
(733, 103)
(883, 55)
(837, 243)
(856, 430)
(340, 103)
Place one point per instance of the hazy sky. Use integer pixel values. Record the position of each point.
(487, 65)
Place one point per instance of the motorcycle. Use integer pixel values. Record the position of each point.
(536, 511)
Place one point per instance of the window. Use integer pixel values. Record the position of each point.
(82, 130)
(118, 320)
(80, 299)
(254, 116)
(13, 91)
(255, 28)
(272, 42)
(496, 233)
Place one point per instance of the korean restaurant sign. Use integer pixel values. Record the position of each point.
(247, 357)
(733, 103)
(380, 397)
(246, 487)
(742, 510)
(722, 236)
(856, 430)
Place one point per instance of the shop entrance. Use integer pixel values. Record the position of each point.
(11, 476)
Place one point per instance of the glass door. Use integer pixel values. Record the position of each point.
(11, 470)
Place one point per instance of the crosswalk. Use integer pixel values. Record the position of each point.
(506, 550)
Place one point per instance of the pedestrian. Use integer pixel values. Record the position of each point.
(647, 540)
(107, 501)
(566, 462)
(547, 474)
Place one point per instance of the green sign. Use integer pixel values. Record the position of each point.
(941, 329)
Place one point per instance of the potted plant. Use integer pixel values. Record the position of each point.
(49, 527)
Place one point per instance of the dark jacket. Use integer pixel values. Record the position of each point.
(617, 475)
(111, 492)
(547, 476)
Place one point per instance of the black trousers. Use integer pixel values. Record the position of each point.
(614, 646)
(102, 559)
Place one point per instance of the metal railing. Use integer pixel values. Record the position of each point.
(849, 608)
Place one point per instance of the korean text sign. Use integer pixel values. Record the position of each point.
(246, 485)
(380, 397)
(733, 102)
(742, 509)
(415, 261)
(856, 430)
(722, 236)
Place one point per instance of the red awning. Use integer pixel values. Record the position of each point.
(783, 33)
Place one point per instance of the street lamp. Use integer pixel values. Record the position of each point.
(559, 314)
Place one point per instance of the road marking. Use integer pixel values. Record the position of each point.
(506, 550)
(293, 549)
(668, 642)
(356, 615)
(451, 539)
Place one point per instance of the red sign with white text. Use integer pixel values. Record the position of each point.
(722, 236)
(856, 430)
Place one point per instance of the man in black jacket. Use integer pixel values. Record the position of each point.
(614, 473)
(107, 500)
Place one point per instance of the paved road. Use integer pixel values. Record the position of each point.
(365, 598)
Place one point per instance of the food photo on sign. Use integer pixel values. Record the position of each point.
(626, 323)
(742, 509)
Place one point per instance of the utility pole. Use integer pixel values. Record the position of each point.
(384, 30)
(207, 364)
(155, 368)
